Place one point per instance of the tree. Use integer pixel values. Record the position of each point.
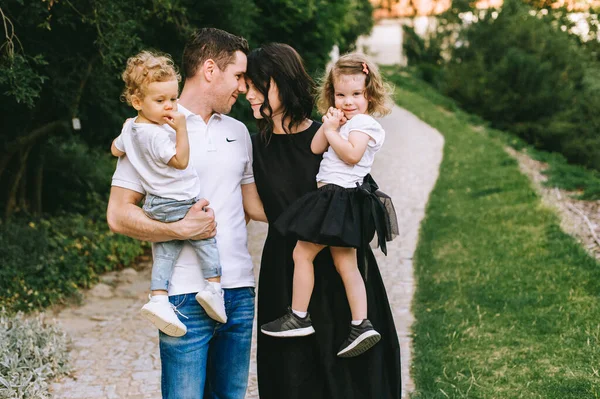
(62, 60)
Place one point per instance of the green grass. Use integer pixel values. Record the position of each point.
(507, 305)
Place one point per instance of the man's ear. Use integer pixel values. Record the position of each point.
(136, 102)
(209, 68)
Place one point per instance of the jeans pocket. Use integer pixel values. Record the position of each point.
(178, 300)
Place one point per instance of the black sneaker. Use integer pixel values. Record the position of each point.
(289, 325)
(362, 337)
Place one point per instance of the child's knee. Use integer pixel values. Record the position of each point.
(345, 260)
(300, 254)
(304, 251)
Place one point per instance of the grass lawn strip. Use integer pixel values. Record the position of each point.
(506, 304)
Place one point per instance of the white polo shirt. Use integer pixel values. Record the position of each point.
(221, 152)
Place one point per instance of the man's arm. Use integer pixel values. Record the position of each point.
(125, 217)
(253, 206)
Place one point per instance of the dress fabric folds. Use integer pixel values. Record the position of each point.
(307, 367)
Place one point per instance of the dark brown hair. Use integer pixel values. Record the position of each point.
(211, 43)
(284, 65)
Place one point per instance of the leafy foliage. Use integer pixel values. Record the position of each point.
(46, 261)
(63, 59)
(31, 352)
(524, 70)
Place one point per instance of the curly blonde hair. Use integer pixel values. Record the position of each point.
(377, 92)
(145, 68)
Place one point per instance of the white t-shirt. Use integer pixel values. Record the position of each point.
(149, 148)
(221, 152)
(335, 171)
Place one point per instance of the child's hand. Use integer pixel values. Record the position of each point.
(176, 120)
(343, 118)
(332, 119)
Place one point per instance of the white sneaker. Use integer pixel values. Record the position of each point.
(213, 304)
(162, 315)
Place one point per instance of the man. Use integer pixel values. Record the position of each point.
(212, 359)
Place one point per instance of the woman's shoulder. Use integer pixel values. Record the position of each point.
(313, 127)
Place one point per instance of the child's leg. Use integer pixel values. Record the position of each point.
(362, 335)
(346, 265)
(210, 297)
(159, 310)
(304, 274)
(296, 322)
(165, 255)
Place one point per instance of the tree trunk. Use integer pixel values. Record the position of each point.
(13, 186)
(26, 141)
(22, 202)
(4, 162)
(38, 179)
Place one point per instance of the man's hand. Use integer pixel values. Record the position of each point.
(198, 224)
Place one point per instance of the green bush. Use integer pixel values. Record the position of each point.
(46, 261)
(31, 353)
(74, 172)
(65, 60)
(519, 70)
(424, 55)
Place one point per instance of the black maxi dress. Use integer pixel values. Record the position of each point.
(308, 367)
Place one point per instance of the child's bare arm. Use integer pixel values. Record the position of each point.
(319, 142)
(181, 158)
(332, 120)
(350, 151)
(115, 151)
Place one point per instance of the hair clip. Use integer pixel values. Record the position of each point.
(365, 69)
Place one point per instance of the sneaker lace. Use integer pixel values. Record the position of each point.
(177, 311)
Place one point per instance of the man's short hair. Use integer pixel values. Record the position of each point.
(211, 43)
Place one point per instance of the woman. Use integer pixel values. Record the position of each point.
(280, 94)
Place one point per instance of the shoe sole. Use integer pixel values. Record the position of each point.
(298, 332)
(363, 343)
(210, 311)
(168, 328)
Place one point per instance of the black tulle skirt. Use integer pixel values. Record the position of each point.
(341, 217)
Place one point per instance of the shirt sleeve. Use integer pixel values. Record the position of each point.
(248, 176)
(163, 146)
(369, 126)
(125, 176)
(119, 143)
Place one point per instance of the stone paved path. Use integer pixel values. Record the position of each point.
(115, 353)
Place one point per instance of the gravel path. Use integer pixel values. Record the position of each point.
(115, 353)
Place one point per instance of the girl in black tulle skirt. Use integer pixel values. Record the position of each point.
(347, 209)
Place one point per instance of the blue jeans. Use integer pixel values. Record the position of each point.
(166, 253)
(212, 360)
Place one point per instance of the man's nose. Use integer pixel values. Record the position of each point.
(242, 85)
